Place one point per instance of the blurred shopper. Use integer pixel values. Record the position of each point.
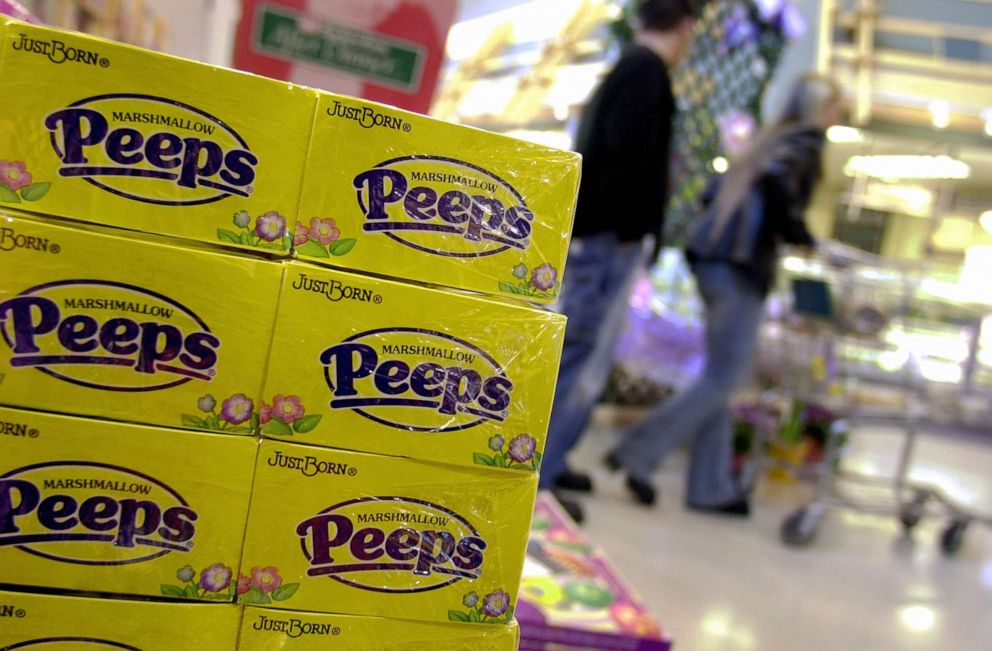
(733, 254)
(624, 138)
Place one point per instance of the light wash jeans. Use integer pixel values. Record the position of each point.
(701, 414)
(599, 276)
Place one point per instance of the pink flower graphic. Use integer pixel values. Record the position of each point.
(244, 584)
(324, 231)
(215, 578)
(265, 414)
(287, 408)
(14, 174)
(544, 277)
(265, 579)
(237, 409)
(301, 234)
(270, 226)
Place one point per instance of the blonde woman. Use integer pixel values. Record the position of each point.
(750, 211)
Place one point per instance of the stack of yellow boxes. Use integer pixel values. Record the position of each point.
(389, 499)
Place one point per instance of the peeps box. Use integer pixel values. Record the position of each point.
(263, 629)
(353, 533)
(116, 327)
(108, 507)
(393, 368)
(104, 132)
(571, 595)
(63, 623)
(403, 195)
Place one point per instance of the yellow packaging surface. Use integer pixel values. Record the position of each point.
(354, 533)
(38, 621)
(108, 507)
(105, 132)
(407, 196)
(264, 629)
(393, 368)
(115, 327)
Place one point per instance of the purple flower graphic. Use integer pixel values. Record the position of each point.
(496, 443)
(185, 573)
(270, 226)
(14, 174)
(470, 599)
(495, 603)
(522, 448)
(215, 578)
(242, 219)
(237, 409)
(544, 277)
(520, 271)
(206, 403)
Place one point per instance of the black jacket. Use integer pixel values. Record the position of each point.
(624, 138)
(771, 212)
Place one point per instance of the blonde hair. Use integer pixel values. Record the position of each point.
(806, 108)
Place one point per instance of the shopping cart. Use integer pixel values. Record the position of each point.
(816, 326)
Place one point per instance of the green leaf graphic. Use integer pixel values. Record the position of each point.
(193, 421)
(475, 617)
(343, 247)
(36, 191)
(173, 590)
(240, 430)
(306, 423)
(277, 428)
(284, 592)
(482, 459)
(507, 287)
(7, 195)
(313, 250)
(456, 616)
(255, 596)
(192, 592)
(228, 236)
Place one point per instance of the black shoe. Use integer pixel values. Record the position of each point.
(739, 508)
(574, 481)
(612, 461)
(643, 491)
(571, 507)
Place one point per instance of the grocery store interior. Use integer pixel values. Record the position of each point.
(866, 426)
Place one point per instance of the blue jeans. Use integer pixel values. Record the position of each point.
(599, 276)
(701, 414)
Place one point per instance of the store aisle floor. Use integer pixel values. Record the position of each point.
(726, 585)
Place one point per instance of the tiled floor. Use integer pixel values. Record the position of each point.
(728, 585)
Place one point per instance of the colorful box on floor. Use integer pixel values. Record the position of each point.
(407, 196)
(108, 507)
(38, 621)
(354, 533)
(263, 629)
(99, 131)
(392, 368)
(116, 327)
(571, 596)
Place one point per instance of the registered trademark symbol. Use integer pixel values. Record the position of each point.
(19, 613)
(377, 298)
(104, 62)
(407, 127)
(55, 248)
(212, 372)
(33, 433)
(352, 472)
(335, 631)
(250, 189)
(189, 545)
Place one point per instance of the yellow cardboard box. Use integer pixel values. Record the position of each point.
(116, 327)
(400, 194)
(264, 629)
(104, 132)
(108, 507)
(354, 533)
(40, 621)
(393, 368)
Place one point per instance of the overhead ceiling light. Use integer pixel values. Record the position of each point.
(985, 219)
(940, 113)
(907, 167)
(720, 164)
(843, 135)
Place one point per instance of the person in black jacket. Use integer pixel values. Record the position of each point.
(623, 137)
(733, 253)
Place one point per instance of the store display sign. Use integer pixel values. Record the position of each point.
(387, 51)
